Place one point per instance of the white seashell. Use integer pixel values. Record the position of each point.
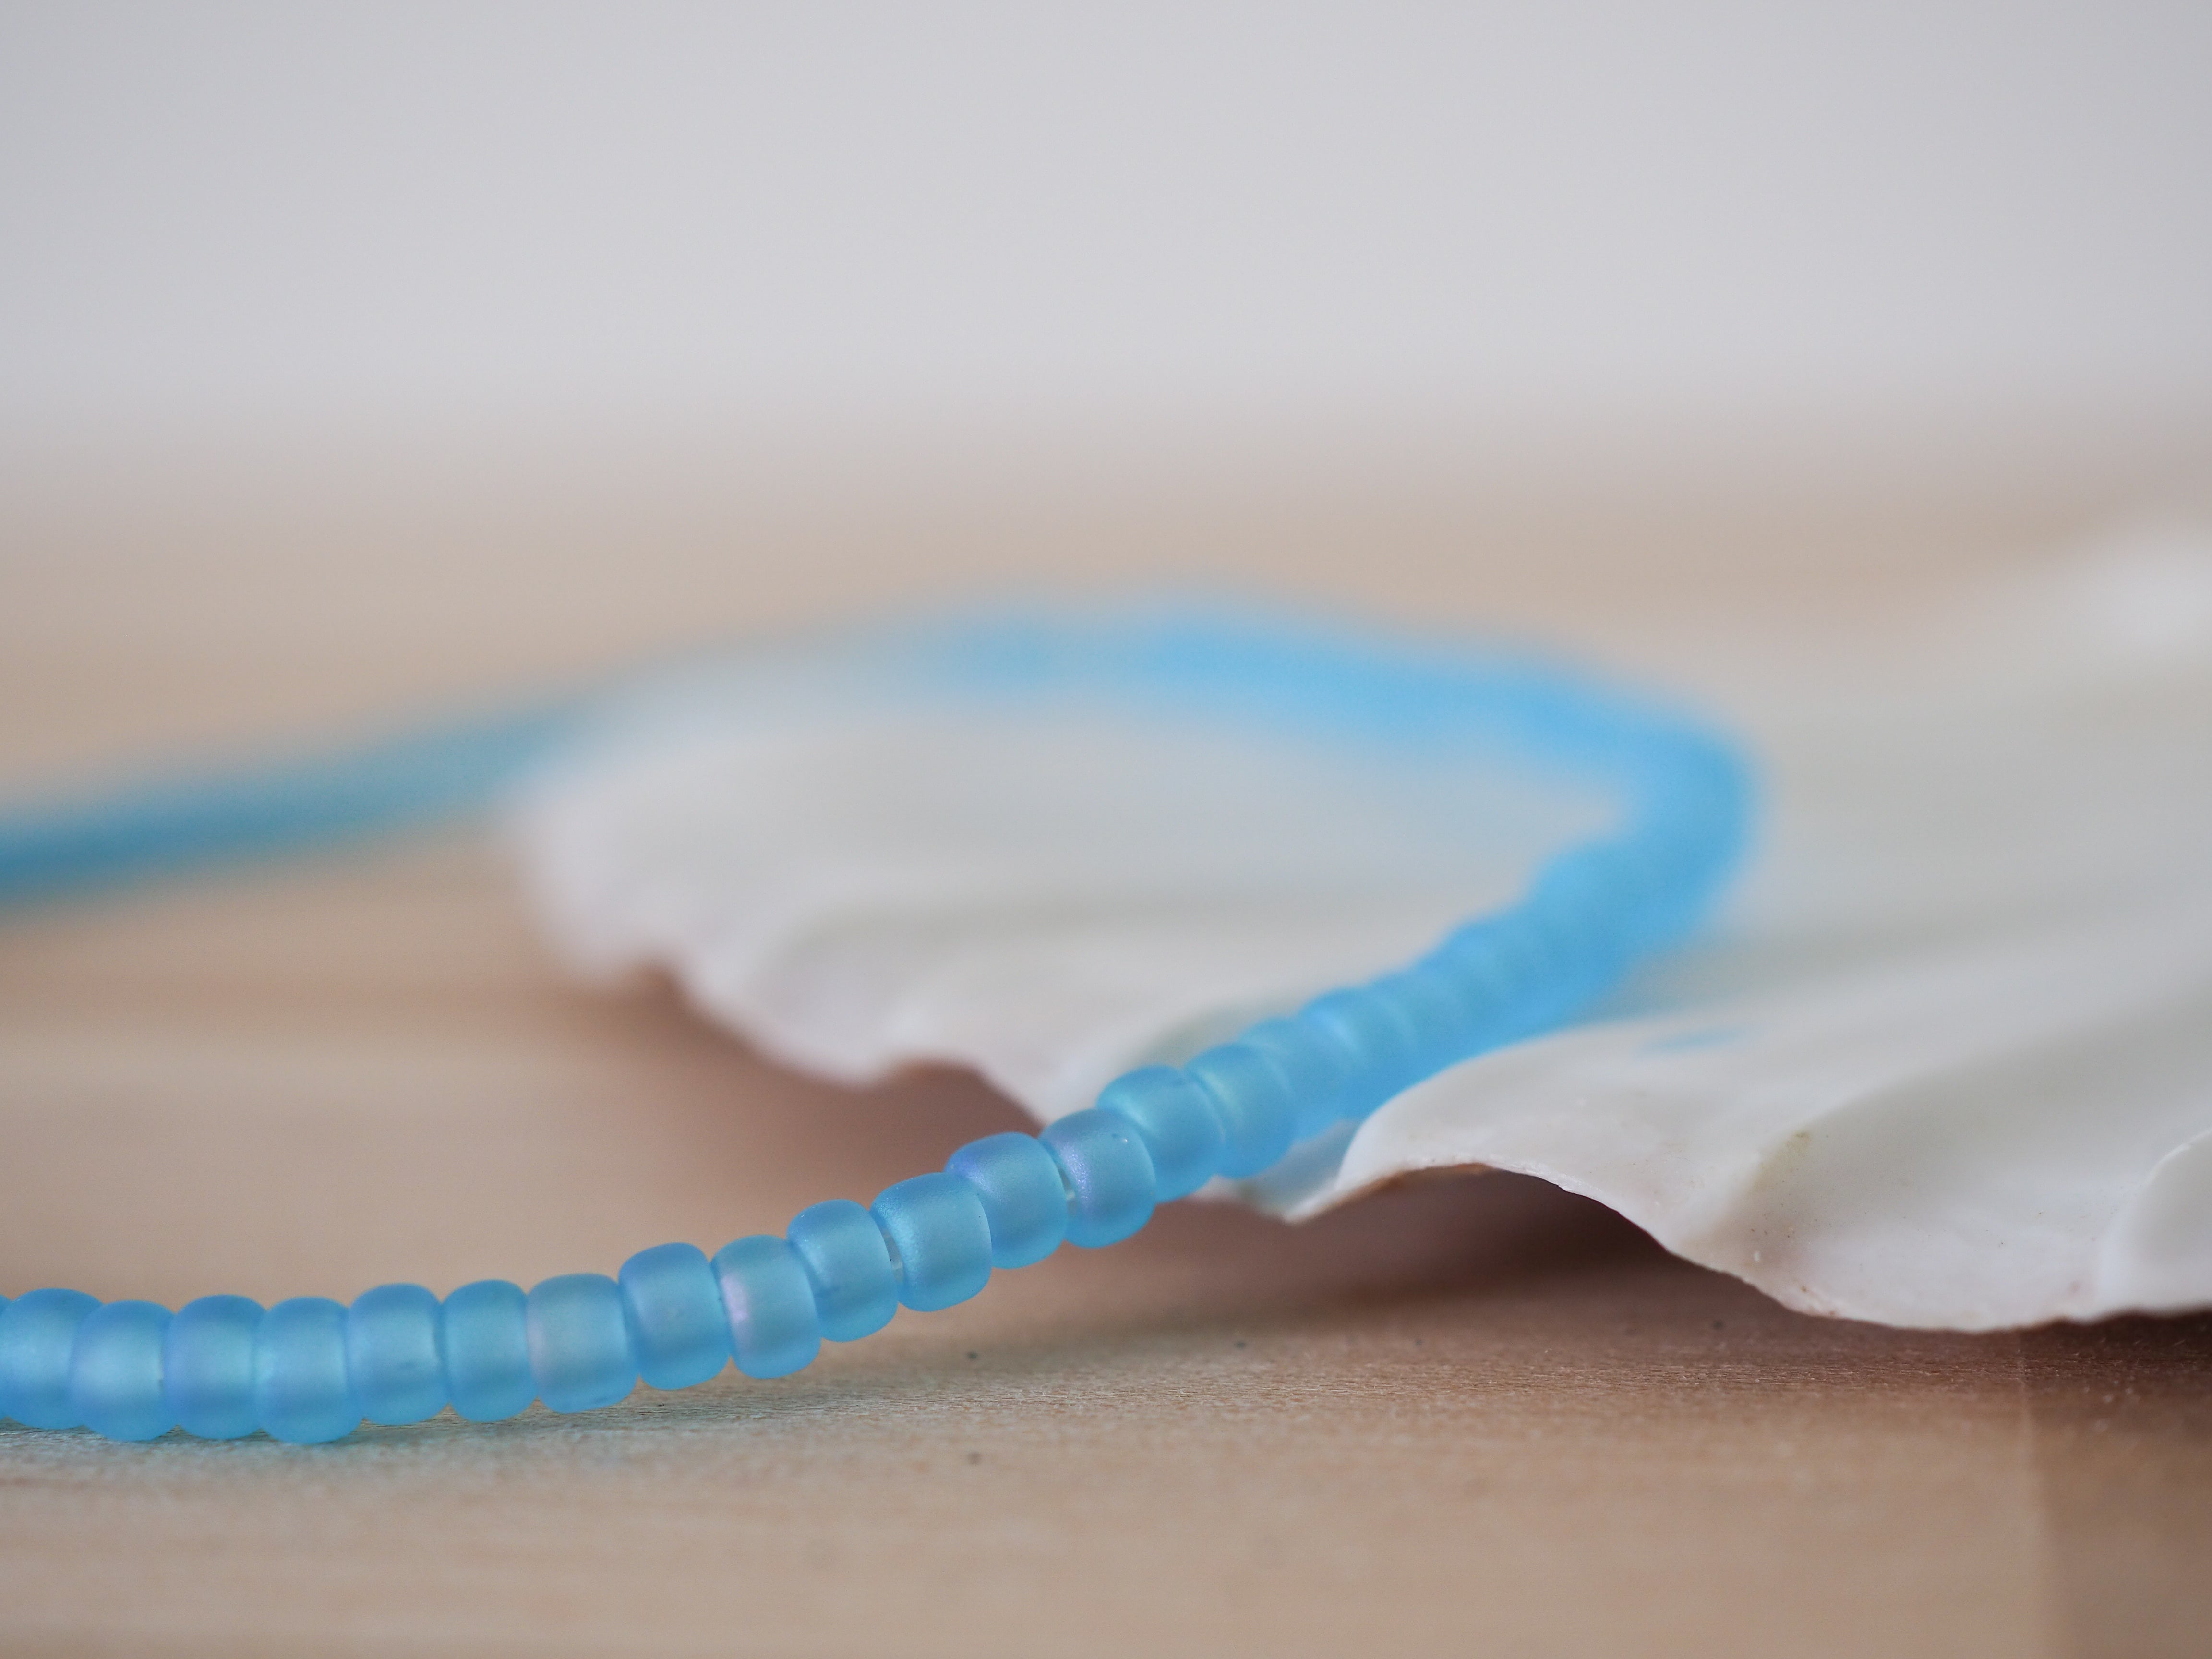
(1947, 1061)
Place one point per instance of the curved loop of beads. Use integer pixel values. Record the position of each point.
(310, 1370)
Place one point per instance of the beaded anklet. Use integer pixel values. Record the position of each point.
(310, 1370)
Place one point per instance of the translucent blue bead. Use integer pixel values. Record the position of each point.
(1483, 966)
(1310, 1064)
(1109, 1175)
(115, 1371)
(774, 1328)
(483, 1330)
(1380, 1047)
(936, 1227)
(674, 1313)
(856, 1288)
(1025, 1201)
(1253, 1098)
(301, 1390)
(580, 1350)
(1175, 1116)
(37, 1333)
(391, 1354)
(1440, 1021)
(1521, 937)
(207, 1367)
(1594, 898)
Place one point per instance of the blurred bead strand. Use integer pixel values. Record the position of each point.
(310, 1370)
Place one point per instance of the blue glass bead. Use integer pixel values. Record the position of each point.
(1109, 1175)
(207, 1367)
(1175, 1116)
(115, 1371)
(580, 1350)
(1312, 1066)
(774, 1328)
(1481, 965)
(1253, 1100)
(301, 1390)
(1380, 1047)
(391, 1354)
(936, 1224)
(36, 1334)
(484, 1331)
(847, 1262)
(1025, 1201)
(674, 1313)
(1532, 947)
(1586, 893)
(1440, 1020)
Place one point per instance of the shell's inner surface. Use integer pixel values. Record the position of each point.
(1946, 1061)
(1052, 892)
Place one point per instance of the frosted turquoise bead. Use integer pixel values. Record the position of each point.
(37, 1333)
(774, 1328)
(1176, 1118)
(391, 1354)
(856, 1288)
(674, 1313)
(1310, 1064)
(1253, 1098)
(115, 1371)
(207, 1366)
(483, 1333)
(580, 1350)
(1379, 1048)
(1109, 1175)
(1435, 1015)
(938, 1230)
(1024, 1199)
(1591, 890)
(1483, 964)
(1539, 965)
(301, 1390)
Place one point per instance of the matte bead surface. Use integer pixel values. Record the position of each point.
(207, 1366)
(1252, 1098)
(1483, 966)
(37, 1333)
(483, 1333)
(774, 1330)
(301, 1390)
(1312, 1066)
(674, 1313)
(1109, 1175)
(936, 1225)
(580, 1350)
(1182, 1131)
(115, 1371)
(391, 1354)
(1591, 892)
(856, 1289)
(1025, 1200)
(1434, 1013)
(1379, 1045)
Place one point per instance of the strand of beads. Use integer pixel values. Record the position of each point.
(311, 1370)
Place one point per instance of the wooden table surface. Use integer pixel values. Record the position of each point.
(1469, 1415)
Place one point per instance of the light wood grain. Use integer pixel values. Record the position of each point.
(1468, 1416)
